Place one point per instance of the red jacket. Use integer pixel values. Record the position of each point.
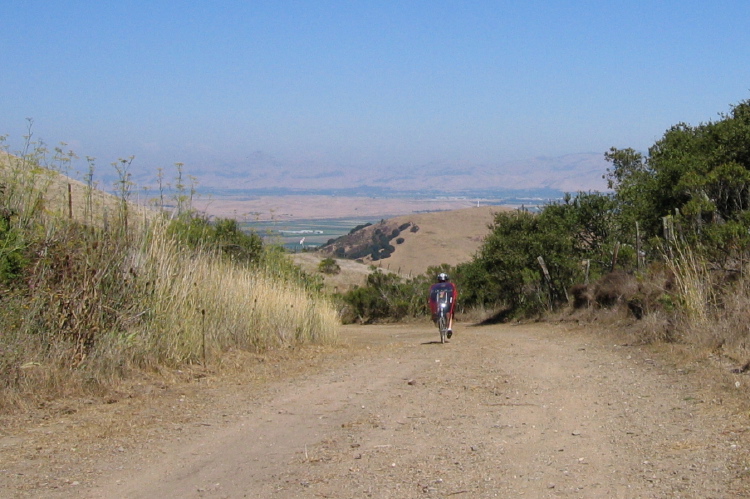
(445, 290)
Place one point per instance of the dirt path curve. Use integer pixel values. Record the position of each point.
(502, 411)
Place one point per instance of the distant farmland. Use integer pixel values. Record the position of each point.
(315, 232)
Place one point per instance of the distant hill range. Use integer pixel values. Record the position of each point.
(541, 176)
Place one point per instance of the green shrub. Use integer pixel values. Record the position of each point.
(224, 235)
(13, 258)
(329, 266)
(387, 297)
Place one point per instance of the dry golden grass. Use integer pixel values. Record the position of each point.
(444, 237)
(202, 300)
(693, 281)
(110, 291)
(61, 196)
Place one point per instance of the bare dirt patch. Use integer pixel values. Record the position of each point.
(501, 411)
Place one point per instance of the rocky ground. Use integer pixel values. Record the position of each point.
(533, 410)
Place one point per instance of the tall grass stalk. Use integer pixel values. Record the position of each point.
(695, 288)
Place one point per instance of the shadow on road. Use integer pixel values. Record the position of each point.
(499, 318)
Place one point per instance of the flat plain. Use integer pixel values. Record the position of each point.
(282, 208)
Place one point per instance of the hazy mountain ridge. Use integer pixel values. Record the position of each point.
(569, 173)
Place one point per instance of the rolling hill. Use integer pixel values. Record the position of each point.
(421, 240)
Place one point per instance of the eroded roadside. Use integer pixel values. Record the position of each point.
(501, 411)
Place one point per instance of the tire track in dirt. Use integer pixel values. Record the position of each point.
(500, 411)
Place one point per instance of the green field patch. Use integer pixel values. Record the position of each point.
(296, 234)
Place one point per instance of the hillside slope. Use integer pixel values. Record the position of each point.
(64, 196)
(409, 244)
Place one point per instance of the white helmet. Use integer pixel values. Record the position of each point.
(442, 277)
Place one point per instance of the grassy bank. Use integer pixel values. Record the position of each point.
(90, 299)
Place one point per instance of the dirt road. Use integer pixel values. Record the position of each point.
(501, 411)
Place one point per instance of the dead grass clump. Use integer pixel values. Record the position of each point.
(196, 306)
(735, 316)
(728, 325)
(655, 327)
(582, 296)
(614, 288)
(685, 301)
(637, 295)
(693, 284)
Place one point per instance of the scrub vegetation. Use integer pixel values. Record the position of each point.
(667, 247)
(94, 288)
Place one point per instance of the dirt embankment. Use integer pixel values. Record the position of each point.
(500, 411)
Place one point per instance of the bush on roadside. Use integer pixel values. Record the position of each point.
(385, 297)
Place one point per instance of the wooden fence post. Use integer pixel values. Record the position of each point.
(546, 278)
(638, 247)
(70, 202)
(587, 268)
(615, 253)
(668, 227)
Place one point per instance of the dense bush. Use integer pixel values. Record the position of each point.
(329, 266)
(389, 297)
(386, 297)
(13, 250)
(223, 235)
(359, 227)
(507, 270)
(699, 175)
(686, 203)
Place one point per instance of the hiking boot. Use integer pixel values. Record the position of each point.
(449, 333)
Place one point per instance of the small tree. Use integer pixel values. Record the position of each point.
(329, 266)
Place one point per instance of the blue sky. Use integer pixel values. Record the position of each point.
(362, 85)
